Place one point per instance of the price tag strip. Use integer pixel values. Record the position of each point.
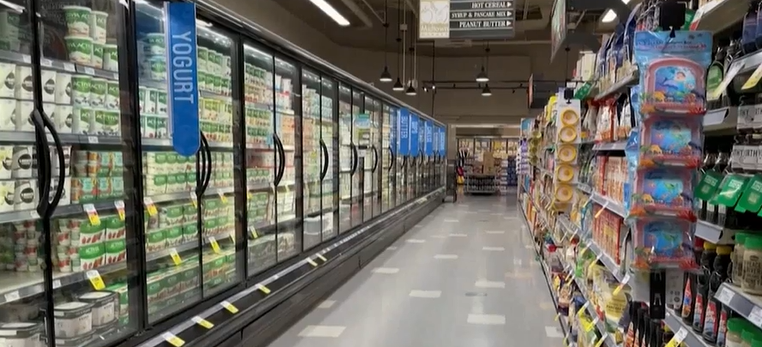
(119, 204)
(312, 262)
(175, 257)
(677, 338)
(756, 316)
(228, 306)
(215, 245)
(92, 214)
(725, 295)
(321, 257)
(202, 322)
(603, 338)
(618, 288)
(95, 279)
(263, 289)
(582, 309)
(172, 339)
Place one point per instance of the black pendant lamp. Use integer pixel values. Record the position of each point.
(486, 91)
(410, 91)
(386, 77)
(482, 77)
(398, 86)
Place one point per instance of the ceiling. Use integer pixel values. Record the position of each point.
(367, 31)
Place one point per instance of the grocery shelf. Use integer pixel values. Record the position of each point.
(692, 338)
(604, 258)
(747, 306)
(600, 325)
(610, 146)
(610, 204)
(58, 65)
(718, 15)
(709, 232)
(720, 119)
(168, 143)
(619, 87)
(584, 188)
(66, 139)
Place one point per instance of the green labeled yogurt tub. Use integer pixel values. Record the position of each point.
(77, 21)
(9, 24)
(98, 90)
(80, 49)
(73, 319)
(80, 90)
(111, 57)
(97, 60)
(157, 46)
(158, 68)
(105, 306)
(98, 24)
(112, 96)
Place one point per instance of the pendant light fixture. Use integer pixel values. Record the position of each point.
(398, 87)
(410, 91)
(482, 77)
(386, 77)
(486, 91)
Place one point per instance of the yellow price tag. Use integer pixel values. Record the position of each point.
(583, 249)
(215, 245)
(312, 262)
(249, 195)
(223, 198)
(591, 325)
(677, 338)
(172, 339)
(203, 322)
(600, 342)
(150, 207)
(557, 317)
(253, 232)
(263, 289)
(570, 275)
(119, 204)
(321, 257)
(95, 279)
(92, 214)
(228, 306)
(194, 199)
(175, 257)
(598, 214)
(582, 309)
(753, 79)
(593, 263)
(621, 285)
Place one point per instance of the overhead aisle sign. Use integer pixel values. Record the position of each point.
(403, 132)
(414, 134)
(182, 69)
(428, 146)
(466, 19)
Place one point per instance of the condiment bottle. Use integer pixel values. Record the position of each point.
(752, 265)
(716, 73)
(722, 211)
(713, 306)
(706, 165)
(712, 210)
(737, 259)
(733, 336)
(702, 286)
(689, 298)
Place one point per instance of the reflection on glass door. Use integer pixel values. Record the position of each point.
(372, 191)
(346, 158)
(364, 134)
(387, 175)
(330, 141)
(287, 180)
(400, 163)
(357, 173)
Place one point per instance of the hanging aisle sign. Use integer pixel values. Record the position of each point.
(442, 140)
(428, 145)
(414, 136)
(182, 100)
(403, 132)
(435, 139)
(466, 19)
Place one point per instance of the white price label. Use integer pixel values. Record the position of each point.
(69, 67)
(46, 62)
(56, 284)
(34, 214)
(89, 70)
(681, 335)
(92, 139)
(626, 279)
(26, 58)
(756, 316)
(12, 296)
(725, 295)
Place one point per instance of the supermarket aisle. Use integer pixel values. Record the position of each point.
(462, 277)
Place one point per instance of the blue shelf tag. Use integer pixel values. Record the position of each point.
(180, 28)
(393, 132)
(403, 126)
(414, 138)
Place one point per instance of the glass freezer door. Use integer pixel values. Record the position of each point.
(329, 129)
(357, 173)
(346, 158)
(386, 151)
(370, 146)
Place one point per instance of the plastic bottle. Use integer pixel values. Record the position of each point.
(713, 306)
(706, 165)
(752, 265)
(712, 210)
(702, 286)
(737, 259)
(721, 167)
(749, 33)
(716, 72)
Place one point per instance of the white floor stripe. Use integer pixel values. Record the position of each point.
(418, 226)
(415, 241)
(391, 248)
(458, 235)
(553, 332)
(486, 319)
(451, 221)
(426, 294)
(446, 256)
(493, 249)
(326, 304)
(438, 236)
(322, 331)
(386, 270)
(489, 284)
(495, 232)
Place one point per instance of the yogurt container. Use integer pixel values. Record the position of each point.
(63, 88)
(80, 49)
(161, 102)
(112, 95)
(49, 109)
(7, 114)
(9, 24)
(6, 162)
(23, 85)
(25, 196)
(116, 251)
(77, 21)
(21, 334)
(80, 90)
(65, 194)
(23, 119)
(64, 117)
(98, 89)
(73, 319)
(48, 86)
(156, 44)
(7, 188)
(142, 97)
(111, 57)
(105, 306)
(83, 120)
(106, 123)
(158, 68)
(98, 24)
(7, 79)
(97, 59)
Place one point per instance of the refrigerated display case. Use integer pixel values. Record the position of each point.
(103, 218)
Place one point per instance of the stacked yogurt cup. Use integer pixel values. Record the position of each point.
(86, 38)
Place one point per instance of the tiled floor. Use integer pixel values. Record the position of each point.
(464, 278)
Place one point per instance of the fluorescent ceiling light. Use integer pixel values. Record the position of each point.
(610, 15)
(331, 12)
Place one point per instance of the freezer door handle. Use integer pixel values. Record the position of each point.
(205, 174)
(43, 162)
(393, 160)
(280, 159)
(53, 204)
(324, 150)
(355, 159)
(375, 161)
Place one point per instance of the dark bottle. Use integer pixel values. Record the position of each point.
(749, 33)
(702, 286)
(722, 166)
(733, 52)
(713, 210)
(706, 165)
(716, 73)
(713, 306)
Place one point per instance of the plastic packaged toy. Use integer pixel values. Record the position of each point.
(673, 71)
(670, 141)
(662, 243)
(665, 192)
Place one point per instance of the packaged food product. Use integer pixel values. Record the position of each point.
(80, 49)
(98, 23)
(752, 265)
(73, 319)
(21, 334)
(77, 20)
(23, 87)
(104, 306)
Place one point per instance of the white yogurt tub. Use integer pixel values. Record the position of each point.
(22, 334)
(6, 162)
(6, 195)
(80, 89)
(112, 95)
(98, 89)
(23, 119)
(25, 195)
(64, 118)
(48, 86)
(63, 88)
(7, 114)
(73, 319)
(97, 60)
(9, 24)
(7, 79)
(80, 49)
(23, 85)
(77, 20)
(104, 308)
(98, 24)
(111, 57)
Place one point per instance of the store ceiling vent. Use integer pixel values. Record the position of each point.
(453, 43)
